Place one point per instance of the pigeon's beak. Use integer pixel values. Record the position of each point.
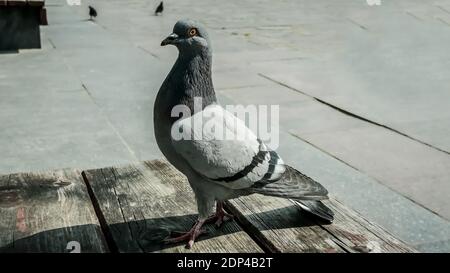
(171, 39)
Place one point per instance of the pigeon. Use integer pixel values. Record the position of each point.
(218, 169)
(159, 9)
(92, 12)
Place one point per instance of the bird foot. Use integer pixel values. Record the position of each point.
(219, 218)
(189, 236)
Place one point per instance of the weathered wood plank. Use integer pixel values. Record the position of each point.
(142, 203)
(44, 211)
(361, 235)
(279, 225)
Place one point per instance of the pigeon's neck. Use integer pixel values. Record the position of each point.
(195, 78)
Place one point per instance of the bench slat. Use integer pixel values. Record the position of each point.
(133, 208)
(278, 224)
(44, 211)
(141, 203)
(361, 235)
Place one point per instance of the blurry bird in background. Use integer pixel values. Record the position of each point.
(159, 9)
(92, 13)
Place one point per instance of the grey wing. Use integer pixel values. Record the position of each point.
(236, 162)
(240, 163)
(303, 191)
(292, 184)
(247, 164)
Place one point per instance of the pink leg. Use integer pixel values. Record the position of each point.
(189, 236)
(220, 216)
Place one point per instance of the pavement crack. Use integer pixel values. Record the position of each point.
(87, 91)
(357, 24)
(110, 124)
(353, 115)
(148, 52)
(443, 21)
(442, 8)
(413, 15)
(51, 43)
(361, 171)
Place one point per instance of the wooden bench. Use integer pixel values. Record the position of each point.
(132, 208)
(19, 24)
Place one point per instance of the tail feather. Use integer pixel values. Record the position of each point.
(300, 189)
(292, 184)
(316, 208)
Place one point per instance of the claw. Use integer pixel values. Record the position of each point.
(220, 216)
(223, 218)
(190, 244)
(189, 236)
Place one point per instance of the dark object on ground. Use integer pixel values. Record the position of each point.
(160, 8)
(92, 12)
(19, 24)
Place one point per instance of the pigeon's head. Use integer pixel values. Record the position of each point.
(188, 36)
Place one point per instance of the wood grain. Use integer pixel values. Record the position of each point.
(282, 227)
(43, 211)
(361, 235)
(133, 208)
(142, 203)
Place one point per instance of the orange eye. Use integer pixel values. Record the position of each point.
(192, 32)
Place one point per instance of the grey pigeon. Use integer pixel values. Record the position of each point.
(159, 8)
(218, 169)
(92, 12)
